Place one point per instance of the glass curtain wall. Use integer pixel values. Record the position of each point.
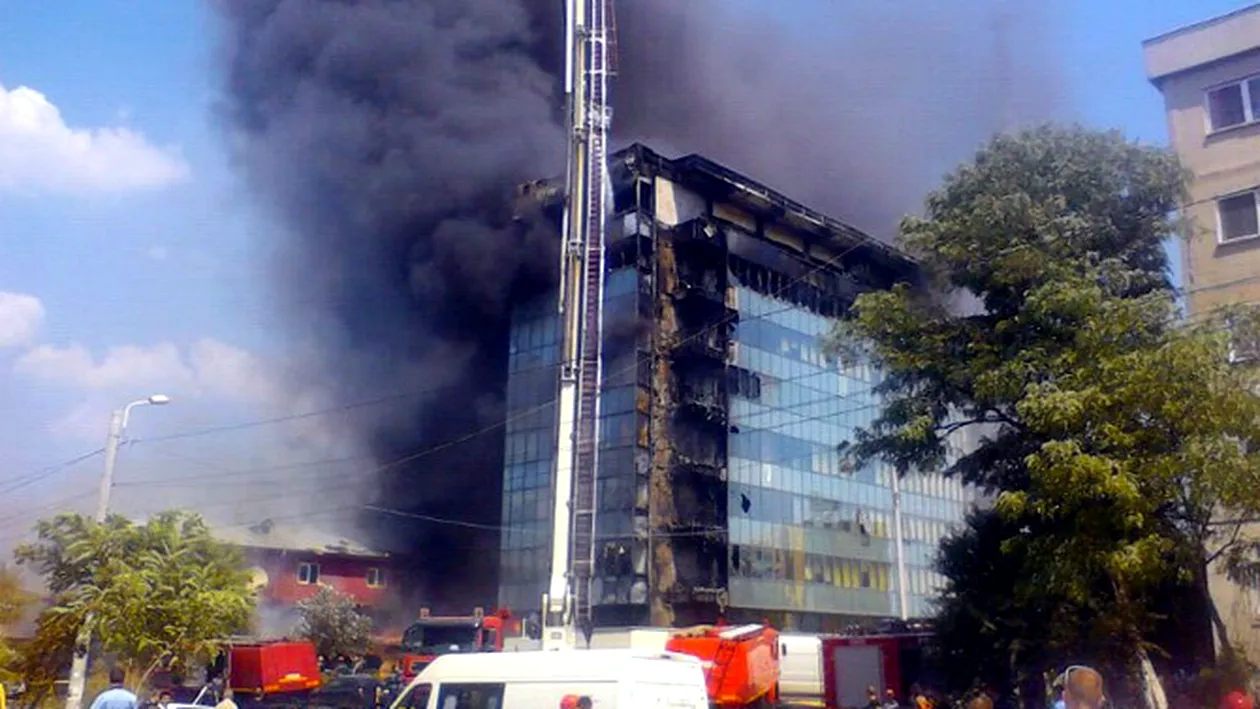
(808, 533)
(529, 440)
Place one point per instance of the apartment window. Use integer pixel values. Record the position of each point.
(308, 573)
(375, 579)
(1238, 217)
(1234, 104)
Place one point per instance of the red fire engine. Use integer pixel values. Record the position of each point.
(741, 664)
(852, 663)
(432, 635)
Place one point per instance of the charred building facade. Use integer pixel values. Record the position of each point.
(721, 490)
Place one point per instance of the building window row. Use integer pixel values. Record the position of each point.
(1234, 104)
(778, 564)
(783, 508)
(308, 574)
(755, 305)
(527, 476)
(1238, 216)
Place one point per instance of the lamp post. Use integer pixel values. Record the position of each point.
(117, 426)
(899, 546)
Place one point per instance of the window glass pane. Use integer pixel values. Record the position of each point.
(1253, 87)
(1238, 216)
(1225, 106)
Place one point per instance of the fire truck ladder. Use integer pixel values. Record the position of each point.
(568, 603)
(598, 118)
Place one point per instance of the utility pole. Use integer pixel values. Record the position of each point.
(83, 641)
(903, 595)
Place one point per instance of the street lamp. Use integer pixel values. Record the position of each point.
(117, 426)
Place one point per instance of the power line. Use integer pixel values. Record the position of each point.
(340, 408)
(827, 263)
(31, 478)
(509, 419)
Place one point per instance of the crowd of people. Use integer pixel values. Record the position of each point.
(117, 696)
(1078, 687)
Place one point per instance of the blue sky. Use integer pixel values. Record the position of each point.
(174, 265)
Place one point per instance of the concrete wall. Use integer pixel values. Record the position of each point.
(1238, 605)
(1223, 163)
(1184, 65)
(1203, 42)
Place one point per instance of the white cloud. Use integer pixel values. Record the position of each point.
(209, 371)
(207, 368)
(21, 316)
(121, 366)
(38, 151)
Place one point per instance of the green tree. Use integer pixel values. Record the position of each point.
(15, 601)
(159, 593)
(332, 621)
(47, 655)
(1110, 436)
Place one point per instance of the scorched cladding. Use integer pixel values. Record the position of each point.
(720, 490)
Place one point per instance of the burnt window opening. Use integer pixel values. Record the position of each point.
(624, 197)
(825, 293)
(646, 195)
(744, 383)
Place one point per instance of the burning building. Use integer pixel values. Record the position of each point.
(720, 486)
(291, 563)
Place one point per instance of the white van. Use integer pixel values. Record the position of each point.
(609, 679)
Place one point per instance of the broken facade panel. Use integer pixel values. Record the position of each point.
(721, 491)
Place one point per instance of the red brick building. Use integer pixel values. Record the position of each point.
(290, 563)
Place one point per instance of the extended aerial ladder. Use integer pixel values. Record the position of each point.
(589, 46)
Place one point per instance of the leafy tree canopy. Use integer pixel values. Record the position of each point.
(161, 592)
(15, 600)
(332, 621)
(1110, 434)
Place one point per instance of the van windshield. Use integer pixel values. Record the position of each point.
(417, 698)
(439, 639)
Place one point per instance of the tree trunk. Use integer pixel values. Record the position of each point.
(1152, 688)
(1224, 648)
(144, 676)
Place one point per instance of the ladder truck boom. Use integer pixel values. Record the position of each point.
(567, 603)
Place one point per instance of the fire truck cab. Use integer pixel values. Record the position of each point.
(431, 636)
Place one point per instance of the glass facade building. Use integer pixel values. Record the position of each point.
(720, 486)
(811, 534)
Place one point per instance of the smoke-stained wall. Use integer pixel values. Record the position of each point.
(386, 136)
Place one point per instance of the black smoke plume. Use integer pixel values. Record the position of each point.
(387, 135)
(849, 106)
